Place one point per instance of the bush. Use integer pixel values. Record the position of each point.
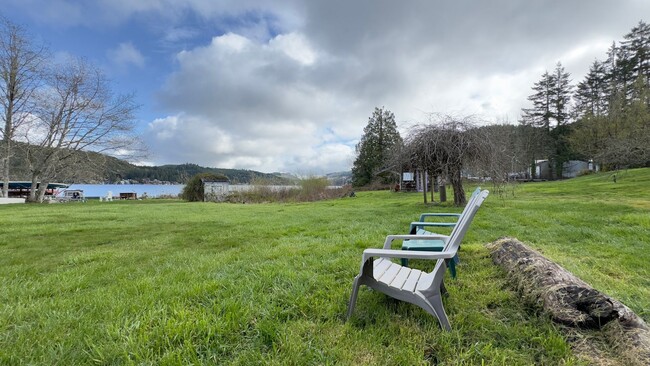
(313, 189)
(193, 190)
(310, 189)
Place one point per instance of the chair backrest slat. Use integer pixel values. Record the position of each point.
(461, 227)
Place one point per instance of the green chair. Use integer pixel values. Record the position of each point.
(417, 228)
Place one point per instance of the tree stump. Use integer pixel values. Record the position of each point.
(571, 301)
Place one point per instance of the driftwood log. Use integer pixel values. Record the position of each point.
(571, 301)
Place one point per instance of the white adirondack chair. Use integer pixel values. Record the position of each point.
(411, 285)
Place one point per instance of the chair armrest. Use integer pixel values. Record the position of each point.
(428, 223)
(422, 216)
(391, 253)
(390, 238)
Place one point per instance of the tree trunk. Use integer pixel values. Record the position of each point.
(42, 189)
(443, 189)
(33, 189)
(5, 175)
(571, 301)
(6, 146)
(432, 179)
(457, 184)
(6, 139)
(423, 176)
(533, 170)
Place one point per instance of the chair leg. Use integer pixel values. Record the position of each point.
(353, 297)
(451, 264)
(436, 303)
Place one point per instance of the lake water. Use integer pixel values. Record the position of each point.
(152, 190)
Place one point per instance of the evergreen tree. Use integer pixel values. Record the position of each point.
(540, 114)
(549, 117)
(591, 96)
(379, 138)
(615, 133)
(561, 95)
(636, 52)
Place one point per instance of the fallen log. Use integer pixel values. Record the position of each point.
(571, 301)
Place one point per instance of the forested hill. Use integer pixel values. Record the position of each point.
(90, 167)
(183, 172)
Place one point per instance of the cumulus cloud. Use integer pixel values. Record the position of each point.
(278, 147)
(126, 54)
(265, 100)
(302, 98)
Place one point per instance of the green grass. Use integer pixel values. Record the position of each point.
(168, 282)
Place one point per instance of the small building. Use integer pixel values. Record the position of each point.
(574, 168)
(570, 169)
(128, 196)
(542, 169)
(409, 183)
(73, 195)
(215, 190)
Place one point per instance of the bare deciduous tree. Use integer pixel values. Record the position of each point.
(443, 148)
(20, 66)
(75, 112)
(449, 146)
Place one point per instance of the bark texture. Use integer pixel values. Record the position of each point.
(571, 301)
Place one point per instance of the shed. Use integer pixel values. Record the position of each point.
(128, 196)
(215, 190)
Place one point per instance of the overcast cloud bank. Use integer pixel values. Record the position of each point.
(289, 86)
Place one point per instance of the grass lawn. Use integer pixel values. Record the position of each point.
(169, 282)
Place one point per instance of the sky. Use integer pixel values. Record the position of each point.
(288, 86)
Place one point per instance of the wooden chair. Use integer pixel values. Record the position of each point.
(423, 289)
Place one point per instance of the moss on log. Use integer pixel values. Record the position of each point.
(571, 301)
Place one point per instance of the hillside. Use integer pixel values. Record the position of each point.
(90, 167)
(183, 172)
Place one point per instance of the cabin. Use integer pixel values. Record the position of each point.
(128, 196)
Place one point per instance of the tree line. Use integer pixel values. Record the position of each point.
(183, 173)
(605, 119)
(52, 111)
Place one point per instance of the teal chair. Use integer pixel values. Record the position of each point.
(417, 228)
